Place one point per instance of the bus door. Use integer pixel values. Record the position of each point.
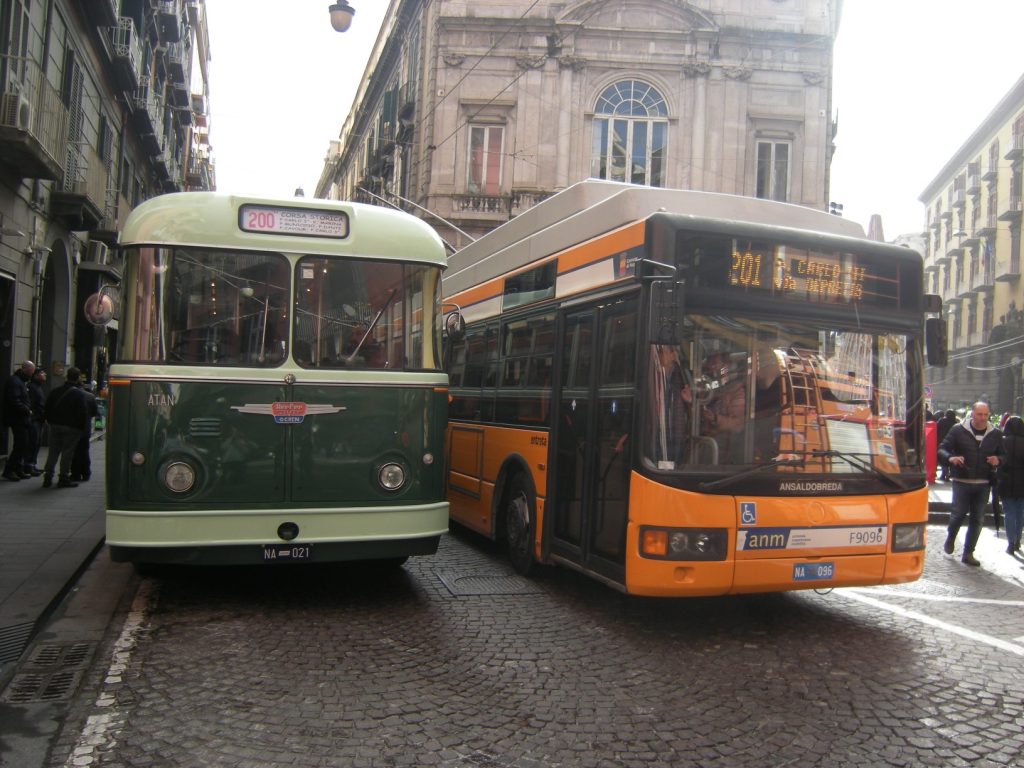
(589, 492)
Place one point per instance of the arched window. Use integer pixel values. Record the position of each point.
(630, 133)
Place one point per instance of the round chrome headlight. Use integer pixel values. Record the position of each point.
(179, 477)
(391, 477)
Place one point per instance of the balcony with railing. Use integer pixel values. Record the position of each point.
(33, 122)
(987, 226)
(177, 63)
(126, 49)
(963, 286)
(482, 207)
(102, 13)
(984, 278)
(973, 184)
(198, 174)
(115, 210)
(1011, 209)
(148, 117)
(199, 109)
(1015, 150)
(958, 199)
(1008, 268)
(406, 101)
(168, 19)
(79, 201)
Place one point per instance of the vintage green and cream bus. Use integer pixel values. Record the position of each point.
(278, 394)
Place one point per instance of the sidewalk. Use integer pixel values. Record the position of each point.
(49, 536)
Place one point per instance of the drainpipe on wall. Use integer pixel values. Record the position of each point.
(37, 303)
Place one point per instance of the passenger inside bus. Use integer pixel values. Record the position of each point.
(724, 417)
(767, 404)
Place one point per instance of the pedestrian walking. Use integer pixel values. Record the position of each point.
(942, 427)
(17, 413)
(81, 464)
(973, 449)
(66, 412)
(37, 398)
(1011, 481)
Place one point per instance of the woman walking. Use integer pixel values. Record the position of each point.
(1011, 481)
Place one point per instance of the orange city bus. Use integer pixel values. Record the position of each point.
(682, 393)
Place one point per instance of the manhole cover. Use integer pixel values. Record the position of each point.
(62, 656)
(472, 584)
(42, 686)
(52, 673)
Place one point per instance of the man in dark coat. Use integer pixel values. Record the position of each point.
(81, 464)
(973, 450)
(37, 397)
(1011, 481)
(18, 416)
(942, 427)
(66, 413)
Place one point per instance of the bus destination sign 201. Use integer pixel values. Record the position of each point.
(285, 220)
(802, 275)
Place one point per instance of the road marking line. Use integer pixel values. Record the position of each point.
(100, 733)
(943, 598)
(995, 642)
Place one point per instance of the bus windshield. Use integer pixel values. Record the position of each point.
(366, 314)
(194, 306)
(200, 307)
(740, 392)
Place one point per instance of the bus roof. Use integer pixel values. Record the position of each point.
(213, 220)
(593, 207)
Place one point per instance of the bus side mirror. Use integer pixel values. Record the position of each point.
(935, 342)
(665, 315)
(454, 326)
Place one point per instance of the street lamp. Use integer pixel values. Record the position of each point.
(341, 15)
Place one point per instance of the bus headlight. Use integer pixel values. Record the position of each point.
(907, 537)
(391, 477)
(179, 477)
(683, 543)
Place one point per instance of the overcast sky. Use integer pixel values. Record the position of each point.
(913, 79)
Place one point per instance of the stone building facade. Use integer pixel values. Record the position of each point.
(470, 113)
(973, 260)
(103, 103)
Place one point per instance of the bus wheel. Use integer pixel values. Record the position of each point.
(519, 524)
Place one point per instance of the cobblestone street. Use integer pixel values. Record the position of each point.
(454, 661)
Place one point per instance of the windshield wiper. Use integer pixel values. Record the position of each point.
(856, 460)
(369, 330)
(725, 481)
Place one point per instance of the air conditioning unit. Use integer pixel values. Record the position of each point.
(16, 111)
(99, 253)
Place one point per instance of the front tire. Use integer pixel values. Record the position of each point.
(520, 524)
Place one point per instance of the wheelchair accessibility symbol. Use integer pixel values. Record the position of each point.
(748, 513)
